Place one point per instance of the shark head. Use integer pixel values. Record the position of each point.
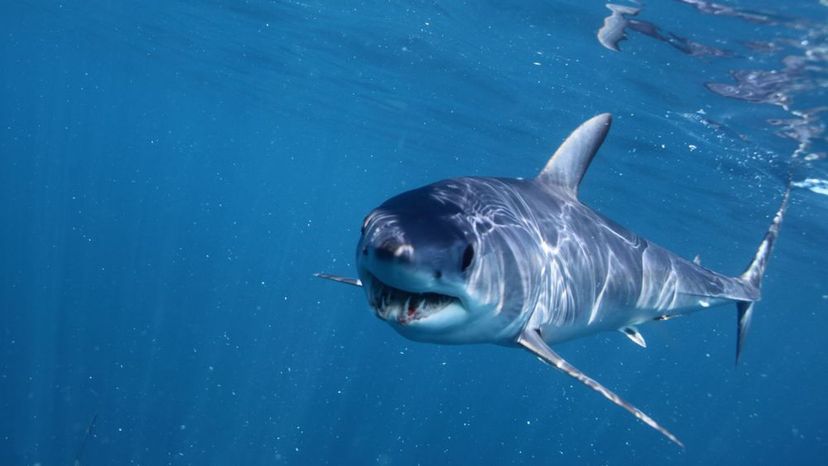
(429, 268)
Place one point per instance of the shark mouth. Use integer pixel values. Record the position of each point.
(403, 307)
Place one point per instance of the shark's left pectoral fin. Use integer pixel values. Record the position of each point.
(337, 278)
(531, 340)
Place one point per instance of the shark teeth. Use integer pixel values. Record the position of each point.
(404, 306)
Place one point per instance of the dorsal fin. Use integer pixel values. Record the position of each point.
(567, 166)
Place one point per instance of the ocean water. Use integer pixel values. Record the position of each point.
(173, 172)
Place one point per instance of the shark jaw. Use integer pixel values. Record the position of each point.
(415, 313)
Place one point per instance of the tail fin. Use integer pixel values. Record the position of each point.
(753, 275)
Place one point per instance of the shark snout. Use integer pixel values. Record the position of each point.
(395, 250)
(393, 262)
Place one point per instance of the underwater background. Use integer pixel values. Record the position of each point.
(172, 173)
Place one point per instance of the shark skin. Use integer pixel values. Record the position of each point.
(523, 263)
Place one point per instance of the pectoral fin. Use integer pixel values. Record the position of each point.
(531, 340)
(633, 334)
(337, 278)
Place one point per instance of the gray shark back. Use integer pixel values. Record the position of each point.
(602, 276)
(579, 272)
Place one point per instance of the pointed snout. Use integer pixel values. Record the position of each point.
(392, 249)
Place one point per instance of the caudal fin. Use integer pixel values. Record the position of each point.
(756, 270)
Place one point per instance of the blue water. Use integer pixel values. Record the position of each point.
(173, 172)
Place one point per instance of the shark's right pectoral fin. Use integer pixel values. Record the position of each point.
(337, 278)
(531, 340)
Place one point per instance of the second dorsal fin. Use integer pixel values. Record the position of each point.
(567, 166)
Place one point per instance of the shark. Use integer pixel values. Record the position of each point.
(523, 263)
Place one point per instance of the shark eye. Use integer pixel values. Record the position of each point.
(468, 256)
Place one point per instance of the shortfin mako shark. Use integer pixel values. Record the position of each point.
(523, 263)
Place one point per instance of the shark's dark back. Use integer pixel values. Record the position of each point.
(617, 271)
